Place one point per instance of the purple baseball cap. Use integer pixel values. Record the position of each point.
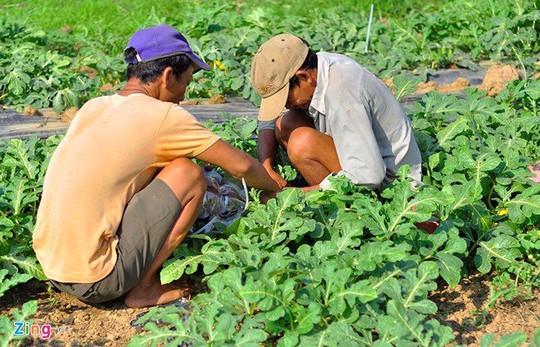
(161, 41)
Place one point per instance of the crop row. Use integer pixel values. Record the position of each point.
(350, 266)
(60, 70)
(346, 265)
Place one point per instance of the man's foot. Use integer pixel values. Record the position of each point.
(155, 294)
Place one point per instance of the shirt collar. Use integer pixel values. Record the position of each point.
(325, 61)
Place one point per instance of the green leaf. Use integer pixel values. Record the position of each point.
(407, 206)
(536, 338)
(450, 268)
(435, 160)
(336, 334)
(406, 324)
(460, 195)
(306, 318)
(524, 206)
(289, 339)
(508, 340)
(248, 129)
(319, 339)
(459, 126)
(7, 326)
(503, 249)
(155, 335)
(361, 292)
(29, 265)
(250, 334)
(411, 292)
(12, 281)
(348, 236)
(286, 200)
(228, 284)
(211, 259)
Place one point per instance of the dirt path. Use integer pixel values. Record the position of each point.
(73, 322)
(464, 309)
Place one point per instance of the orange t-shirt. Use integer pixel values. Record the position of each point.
(110, 152)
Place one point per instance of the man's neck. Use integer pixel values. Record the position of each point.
(136, 86)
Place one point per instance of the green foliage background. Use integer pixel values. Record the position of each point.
(57, 43)
(346, 266)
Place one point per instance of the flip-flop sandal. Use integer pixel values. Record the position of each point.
(134, 322)
(182, 302)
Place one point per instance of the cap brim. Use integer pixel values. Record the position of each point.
(273, 106)
(199, 62)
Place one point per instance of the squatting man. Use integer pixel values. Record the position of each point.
(331, 115)
(121, 190)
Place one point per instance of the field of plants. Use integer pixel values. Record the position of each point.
(347, 267)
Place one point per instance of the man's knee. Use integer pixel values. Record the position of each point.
(184, 177)
(301, 143)
(289, 122)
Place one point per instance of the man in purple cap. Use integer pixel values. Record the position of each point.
(121, 190)
(331, 115)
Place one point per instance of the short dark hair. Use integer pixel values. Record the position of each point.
(149, 71)
(309, 63)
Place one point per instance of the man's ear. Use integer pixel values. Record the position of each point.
(166, 75)
(302, 75)
(309, 76)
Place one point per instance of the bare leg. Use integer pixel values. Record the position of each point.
(310, 151)
(186, 180)
(287, 123)
(313, 154)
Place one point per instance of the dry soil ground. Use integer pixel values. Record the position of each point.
(75, 323)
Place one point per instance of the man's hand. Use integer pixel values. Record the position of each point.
(266, 195)
(276, 177)
(267, 149)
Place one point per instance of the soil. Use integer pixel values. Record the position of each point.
(425, 87)
(459, 84)
(31, 111)
(107, 87)
(89, 71)
(495, 80)
(68, 115)
(498, 76)
(75, 323)
(465, 309)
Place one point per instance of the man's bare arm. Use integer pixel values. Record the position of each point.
(267, 150)
(239, 164)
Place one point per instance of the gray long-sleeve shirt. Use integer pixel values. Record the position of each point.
(371, 132)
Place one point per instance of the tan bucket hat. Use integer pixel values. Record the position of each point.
(274, 64)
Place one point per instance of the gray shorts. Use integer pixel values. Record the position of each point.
(147, 220)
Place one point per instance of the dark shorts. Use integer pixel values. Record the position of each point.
(147, 220)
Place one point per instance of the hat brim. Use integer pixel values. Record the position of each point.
(198, 61)
(272, 107)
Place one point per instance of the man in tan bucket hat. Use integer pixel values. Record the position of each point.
(331, 115)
